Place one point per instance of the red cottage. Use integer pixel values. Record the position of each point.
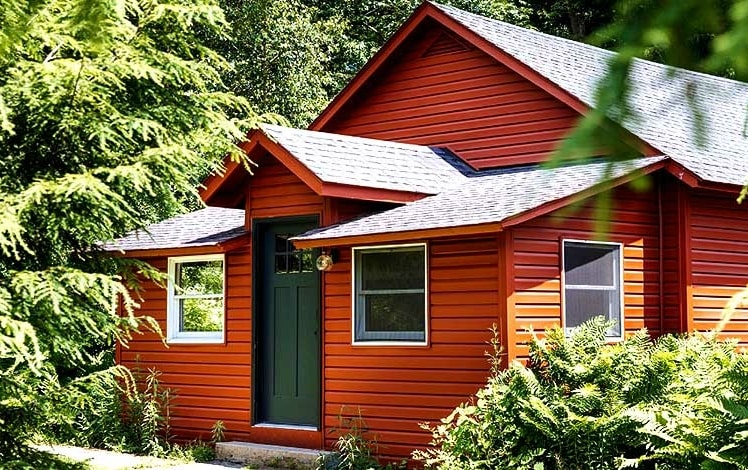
(359, 269)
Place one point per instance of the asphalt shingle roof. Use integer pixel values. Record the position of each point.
(659, 96)
(204, 227)
(492, 198)
(458, 196)
(371, 163)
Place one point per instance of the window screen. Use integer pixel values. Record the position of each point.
(390, 294)
(592, 284)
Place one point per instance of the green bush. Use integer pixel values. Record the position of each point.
(353, 449)
(678, 402)
(114, 409)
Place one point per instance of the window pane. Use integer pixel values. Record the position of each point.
(199, 277)
(582, 305)
(590, 265)
(201, 314)
(397, 269)
(294, 263)
(307, 261)
(394, 312)
(281, 243)
(281, 263)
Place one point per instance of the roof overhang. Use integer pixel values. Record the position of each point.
(223, 247)
(258, 142)
(491, 227)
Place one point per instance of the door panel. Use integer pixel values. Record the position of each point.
(288, 365)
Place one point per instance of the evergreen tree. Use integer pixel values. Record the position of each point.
(108, 111)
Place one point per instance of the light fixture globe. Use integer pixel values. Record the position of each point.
(324, 262)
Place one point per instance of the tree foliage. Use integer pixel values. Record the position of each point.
(108, 110)
(702, 35)
(674, 403)
(281, 55)
(292, 56)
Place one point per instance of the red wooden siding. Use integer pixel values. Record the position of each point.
(440, 92)
(276, 192)
(719, 261)
(395, 388)
(211, 382)
(537, 264)
(674, 254)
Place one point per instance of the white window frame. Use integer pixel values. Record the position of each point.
(355, 277)
(619, 259)
(173, 333)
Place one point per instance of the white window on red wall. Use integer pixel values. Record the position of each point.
(390, 295)
(196, 300)
(592, 284)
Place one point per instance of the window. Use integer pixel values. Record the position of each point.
(289, 260)
(195, 305)
(389, 302)
(592, 284)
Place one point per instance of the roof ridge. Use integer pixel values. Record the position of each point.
(345, 136)
(598, 49)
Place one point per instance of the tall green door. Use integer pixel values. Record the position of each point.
(288, 344)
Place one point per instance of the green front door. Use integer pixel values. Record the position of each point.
(288, 367)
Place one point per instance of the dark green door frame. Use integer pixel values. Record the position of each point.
(286, 325)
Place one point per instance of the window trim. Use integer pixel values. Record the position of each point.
(620, 258)
(354, 300)
(173, 333)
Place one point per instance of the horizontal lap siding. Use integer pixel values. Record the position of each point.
(396, 388)
(461, 98)
(213, 382)
(276, 192)
(719, 261)
(537, 264)
(210, 382)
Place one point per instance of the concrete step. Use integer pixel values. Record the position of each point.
(269, 456)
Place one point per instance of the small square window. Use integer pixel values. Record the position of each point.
(592, 284)
(390, 295)
(195, 306)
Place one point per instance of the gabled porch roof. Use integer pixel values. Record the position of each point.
(352, 167)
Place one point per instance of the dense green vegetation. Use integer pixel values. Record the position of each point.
(108, 111)
(680, 402)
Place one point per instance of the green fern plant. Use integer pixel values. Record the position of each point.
(678, 402)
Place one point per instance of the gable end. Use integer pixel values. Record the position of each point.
(445, 43)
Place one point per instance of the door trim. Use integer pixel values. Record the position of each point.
(258, 226)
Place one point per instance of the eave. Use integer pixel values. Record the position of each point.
(477, 229)
(223, 247)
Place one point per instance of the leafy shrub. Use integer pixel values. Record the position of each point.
(353, 450)
(679, 402)
(195, 451)
(113, 409)
(217, 432)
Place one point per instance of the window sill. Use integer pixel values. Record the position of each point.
(195, 340)
(408, 344)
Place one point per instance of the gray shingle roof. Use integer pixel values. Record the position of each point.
(659, 96)
(495, 197)
(370, 163)
(204, 227)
